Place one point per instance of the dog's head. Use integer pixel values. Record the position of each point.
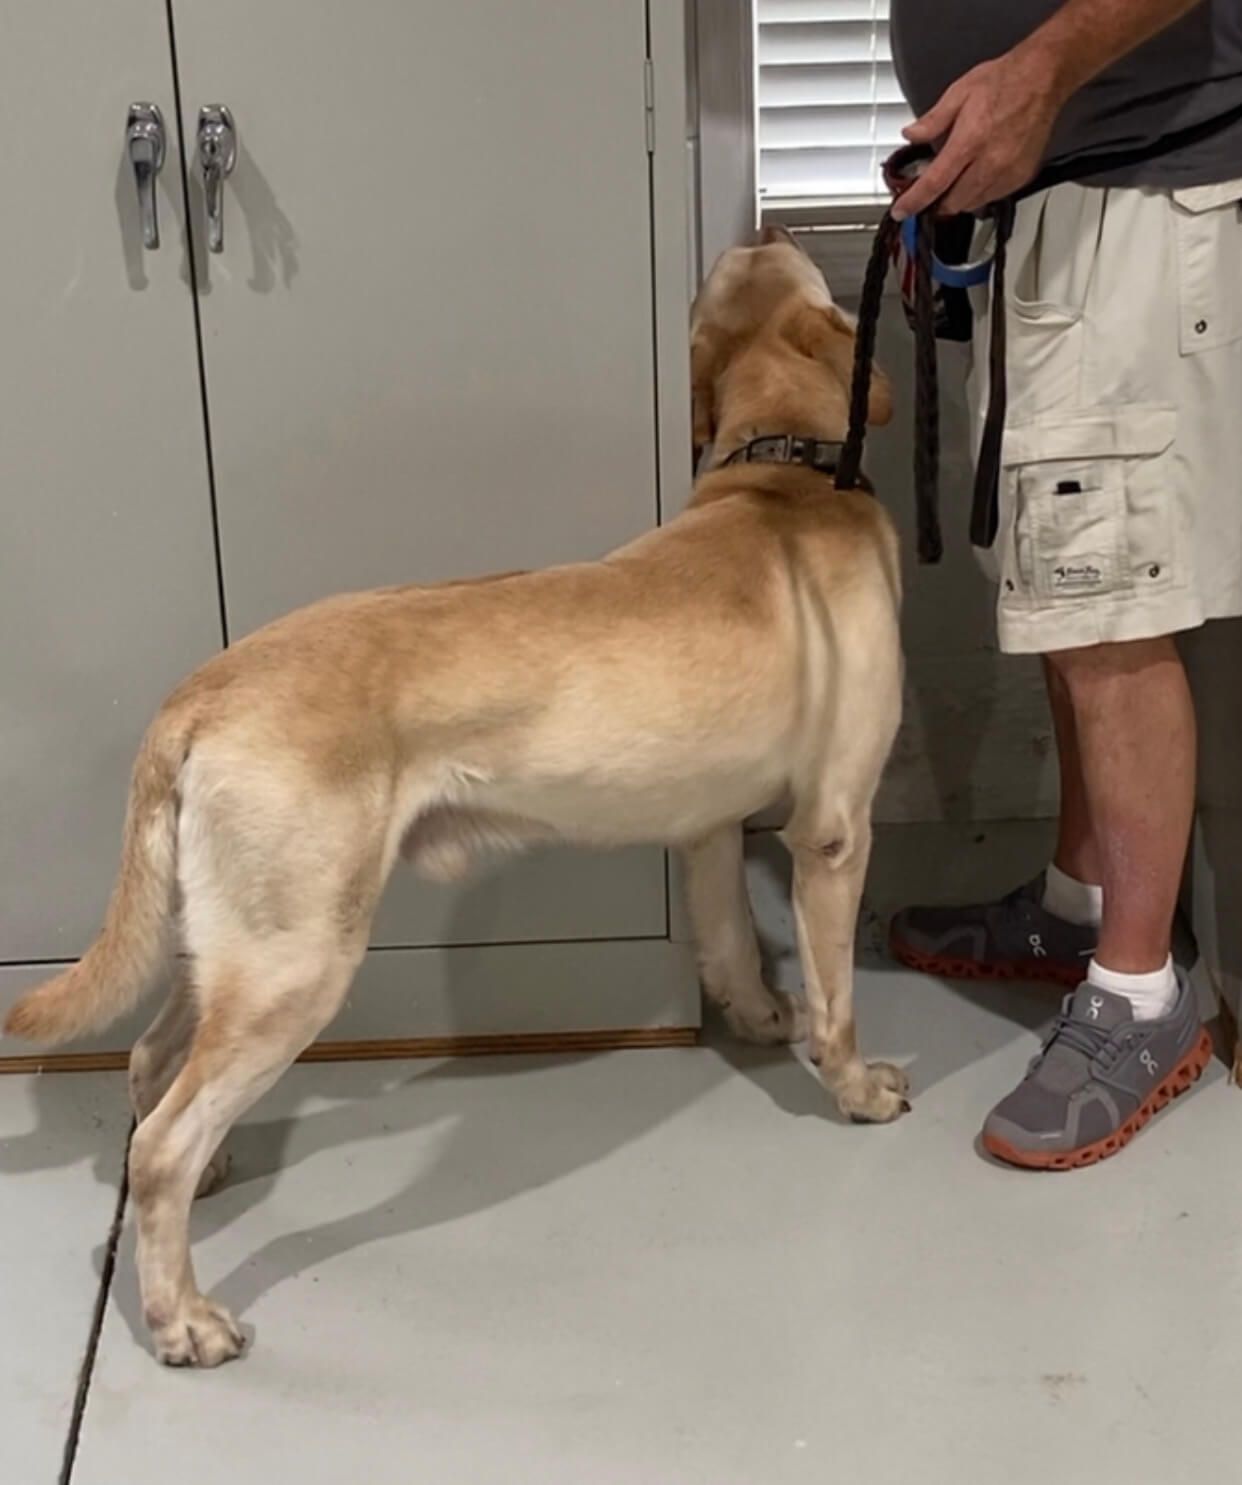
(769, 349)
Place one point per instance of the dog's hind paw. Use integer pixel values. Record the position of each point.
(770, 1018)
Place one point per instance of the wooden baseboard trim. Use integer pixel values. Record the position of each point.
(530, 1044)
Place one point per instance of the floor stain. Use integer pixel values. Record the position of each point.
(1058, 1385)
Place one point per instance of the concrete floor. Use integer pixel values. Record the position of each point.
(648, 1268)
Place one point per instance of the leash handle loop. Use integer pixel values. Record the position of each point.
(949, 275)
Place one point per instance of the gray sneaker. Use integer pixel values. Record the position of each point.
(1013, 939)
(1099, 1079)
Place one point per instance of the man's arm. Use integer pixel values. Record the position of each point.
(995, 121)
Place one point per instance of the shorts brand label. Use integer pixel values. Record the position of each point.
(1078, 577)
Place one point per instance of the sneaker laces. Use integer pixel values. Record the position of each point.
(1093, 1042)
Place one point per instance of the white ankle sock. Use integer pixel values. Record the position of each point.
(1150, 995)
(1075, 901)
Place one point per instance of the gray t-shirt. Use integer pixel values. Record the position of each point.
(1190, 73)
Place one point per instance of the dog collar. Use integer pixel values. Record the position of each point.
(787, 448)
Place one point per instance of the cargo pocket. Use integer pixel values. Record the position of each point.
(1091, 506)
(1208, 225)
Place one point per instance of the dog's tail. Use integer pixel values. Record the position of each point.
(120, 965)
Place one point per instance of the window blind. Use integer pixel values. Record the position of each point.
(829, 108)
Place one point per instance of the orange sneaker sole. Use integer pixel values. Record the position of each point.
(1183, 1077)
(1042, 971)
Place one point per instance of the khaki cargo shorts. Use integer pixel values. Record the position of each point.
(1121, 487)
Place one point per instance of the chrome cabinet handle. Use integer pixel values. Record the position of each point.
(144, 143)
(217, 153)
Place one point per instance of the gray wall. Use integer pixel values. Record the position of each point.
(1214, 658)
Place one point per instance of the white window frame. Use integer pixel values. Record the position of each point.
(722, 60)
(722, 64)
(840, 210)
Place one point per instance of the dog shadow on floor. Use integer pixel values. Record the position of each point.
(55, 1141)
(452, 1122)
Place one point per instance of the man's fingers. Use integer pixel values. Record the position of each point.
(938, 119)
(973, 189)
(988, 179)
(933, 183)
(922, 131)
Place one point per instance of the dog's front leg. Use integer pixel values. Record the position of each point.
(728, 951)
(828, 882)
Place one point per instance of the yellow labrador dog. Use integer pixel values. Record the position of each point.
(745, 653)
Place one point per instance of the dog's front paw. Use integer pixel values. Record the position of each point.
(876, 1096)
(203, 1334)
(770, 1018)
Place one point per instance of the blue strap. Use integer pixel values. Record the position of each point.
(952, 276)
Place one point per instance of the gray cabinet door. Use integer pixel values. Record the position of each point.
(428, 339)
(108, 583)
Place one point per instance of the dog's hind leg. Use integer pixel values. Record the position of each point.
(252, 1022)
(728, 951)
(160, 1054)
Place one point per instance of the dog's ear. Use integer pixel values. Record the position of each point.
(705, 351)
(827, 334)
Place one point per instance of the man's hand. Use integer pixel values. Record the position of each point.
(995, 123)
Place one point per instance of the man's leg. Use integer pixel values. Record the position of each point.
(1074, 887)
(1130, 1039)
(1133, 741)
